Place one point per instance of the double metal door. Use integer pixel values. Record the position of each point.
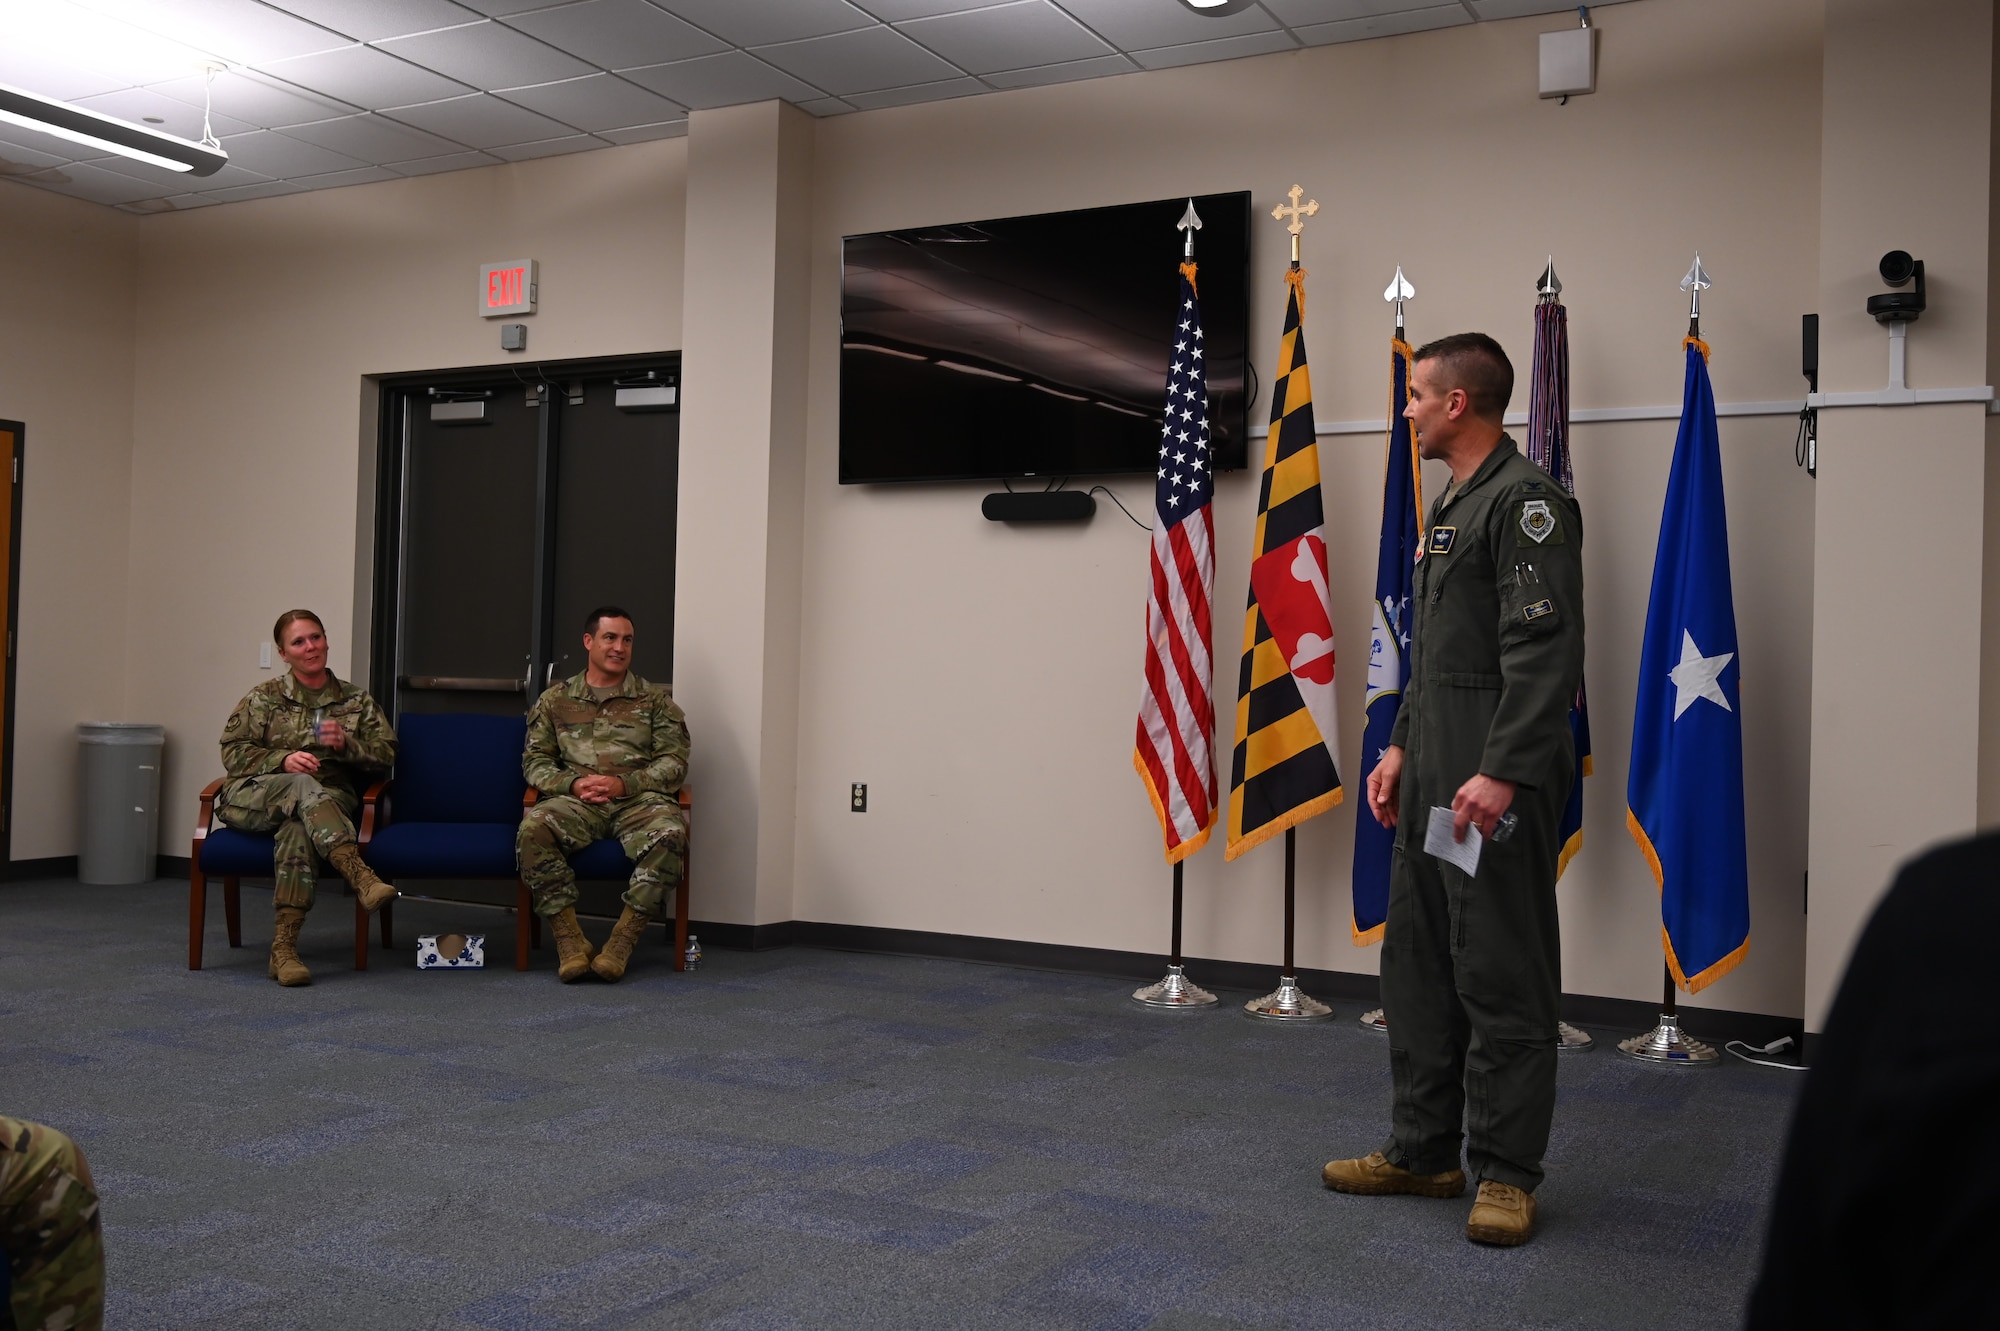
(506, 512)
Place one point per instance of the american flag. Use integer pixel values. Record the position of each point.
(1177, 712)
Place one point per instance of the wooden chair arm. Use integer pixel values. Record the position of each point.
(371, 809)
(206, 817)
(685, 797)
(530, 797)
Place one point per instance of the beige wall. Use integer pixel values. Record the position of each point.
(257, 325)
(984, 681)
(67, 271)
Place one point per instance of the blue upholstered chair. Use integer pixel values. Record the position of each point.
(453, 806)
(225, 853)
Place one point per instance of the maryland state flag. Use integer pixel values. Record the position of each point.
(1283, 771)
(1684, 793)
(1388, 643)
(1547, 446)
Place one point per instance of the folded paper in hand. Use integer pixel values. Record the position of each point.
(1463, 855)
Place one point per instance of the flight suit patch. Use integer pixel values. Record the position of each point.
(1441, 539)
(1538, 523)
(1537, 609)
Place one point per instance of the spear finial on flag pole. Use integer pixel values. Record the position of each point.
(1399, 291)
(1549, 287)
(1190, 223)
(1694, 284)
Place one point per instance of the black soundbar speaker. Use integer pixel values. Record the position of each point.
(1039, 506)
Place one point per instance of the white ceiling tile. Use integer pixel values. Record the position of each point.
(480, 121)
(142, 207)
(366, 77)
(249, 96)
(1015, 36)
(374, 139)
(182, 202)
(1494, 9)
(94, 183)
(496, 8)
(270, 153)
(143, 106)
(728, 79)
(600, 101)
(863, 61)
(1093, 68)
(1384, 25)
(617, 34)
(264, 191)
(744, 24)
(16, 160)
(825, 106)
(895, 11)
(50, 77)
(1138, 25)
(1297, 12)
(177, 182)
(429, 166)
(488, 55)
(923, 92)
(574, 143)
(1224, 48)
(244, 32)
(363, 175)
(372, 20)
(669, 129)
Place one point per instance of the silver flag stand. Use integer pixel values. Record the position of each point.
(1569, 1040)
(1288, 1002)
(1176, 990)
(1666, 1043)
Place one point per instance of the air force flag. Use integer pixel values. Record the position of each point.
(1684, 795)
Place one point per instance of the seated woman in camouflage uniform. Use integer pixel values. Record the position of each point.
(299, 750)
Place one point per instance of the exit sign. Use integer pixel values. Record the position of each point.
(507, 288)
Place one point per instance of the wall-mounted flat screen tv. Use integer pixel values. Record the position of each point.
(1035, 346)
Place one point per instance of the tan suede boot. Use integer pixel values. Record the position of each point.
(371, 890)
(1503, 1215)
(610, 963)
(573, 950)
(1373, 1176)
(286, 968)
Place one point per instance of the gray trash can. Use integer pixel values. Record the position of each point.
(121, 801)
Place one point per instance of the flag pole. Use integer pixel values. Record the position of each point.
(1289, 1002)
(1176, 990)
(1666, 1043)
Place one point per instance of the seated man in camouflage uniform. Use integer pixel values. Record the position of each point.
(50, 1237)
(299, 750)
(608, 752)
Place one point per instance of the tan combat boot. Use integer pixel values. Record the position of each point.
(573, 950)
(610, 963)
(1503, 1215)
(286, 968)
(371, 891)
(1373, 1176)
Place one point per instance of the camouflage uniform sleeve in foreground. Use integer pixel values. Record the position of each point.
(246, 749)
(665, 764)
(50, 1233)
(542, 762)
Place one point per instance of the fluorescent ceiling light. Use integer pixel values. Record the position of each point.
(1217, 8)
(108, 133)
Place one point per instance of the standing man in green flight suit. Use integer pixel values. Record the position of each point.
(299, 750)
(608, 752)
(1471, 963)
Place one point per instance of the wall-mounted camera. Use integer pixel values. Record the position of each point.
(1898, 269)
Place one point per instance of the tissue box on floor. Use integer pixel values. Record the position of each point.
(451, 952)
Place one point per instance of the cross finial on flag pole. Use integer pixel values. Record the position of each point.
(1694, 284)
(1298, 213)
(1190, 223)
(1399, 291)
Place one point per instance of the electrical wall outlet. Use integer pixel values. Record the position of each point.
(857, 797)
(263, 656)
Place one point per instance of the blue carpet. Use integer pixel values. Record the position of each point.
(797, 1140)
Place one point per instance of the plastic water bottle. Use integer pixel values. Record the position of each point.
(694, 953)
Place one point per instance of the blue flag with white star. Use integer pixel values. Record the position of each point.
(1388, 643)
(1684, 794)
